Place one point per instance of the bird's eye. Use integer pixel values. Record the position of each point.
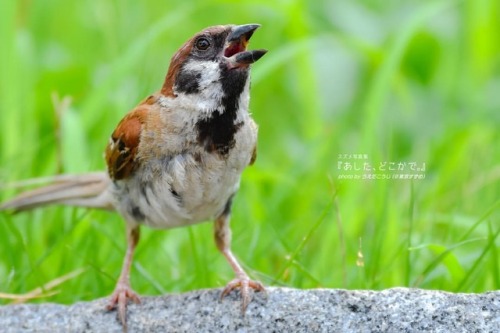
(202, 44)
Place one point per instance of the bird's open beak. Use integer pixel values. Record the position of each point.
(236, 46)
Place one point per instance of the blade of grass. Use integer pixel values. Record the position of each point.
(488, 247)
(483, 218)
(22, 298)
(307, 273)
(411, 210)
(133, 54)
(439, 258)
(379, 89)
(148, 277)
(9, 84)
(494, 258)
(45, 289)
(33, 266)
(305, 239)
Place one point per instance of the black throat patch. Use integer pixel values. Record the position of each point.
(217, 132)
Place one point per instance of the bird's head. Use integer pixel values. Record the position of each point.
(212, 65)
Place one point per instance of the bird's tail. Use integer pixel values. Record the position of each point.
(87, 190)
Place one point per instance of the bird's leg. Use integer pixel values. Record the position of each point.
(223, 242)
(123, 291)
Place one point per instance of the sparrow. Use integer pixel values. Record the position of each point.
(176, 159)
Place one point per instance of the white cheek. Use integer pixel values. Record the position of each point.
(210, 89)
(200, 66)
(208, 70)
(209, 82)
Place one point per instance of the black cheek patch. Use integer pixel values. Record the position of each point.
(187, 82)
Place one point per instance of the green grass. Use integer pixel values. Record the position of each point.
(412, 81)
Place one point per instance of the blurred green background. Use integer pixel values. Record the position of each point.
(397, 81)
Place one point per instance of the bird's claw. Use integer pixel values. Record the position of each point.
(244, 283)
(119, 298)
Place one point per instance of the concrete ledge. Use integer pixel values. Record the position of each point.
(284, 310)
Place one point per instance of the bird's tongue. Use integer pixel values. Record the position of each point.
(233, 49)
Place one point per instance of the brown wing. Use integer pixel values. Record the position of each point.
(122, 147)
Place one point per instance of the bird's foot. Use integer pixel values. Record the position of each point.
(119, 298)
(245, 284)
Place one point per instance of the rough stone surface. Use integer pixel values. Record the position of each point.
(284, 310)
